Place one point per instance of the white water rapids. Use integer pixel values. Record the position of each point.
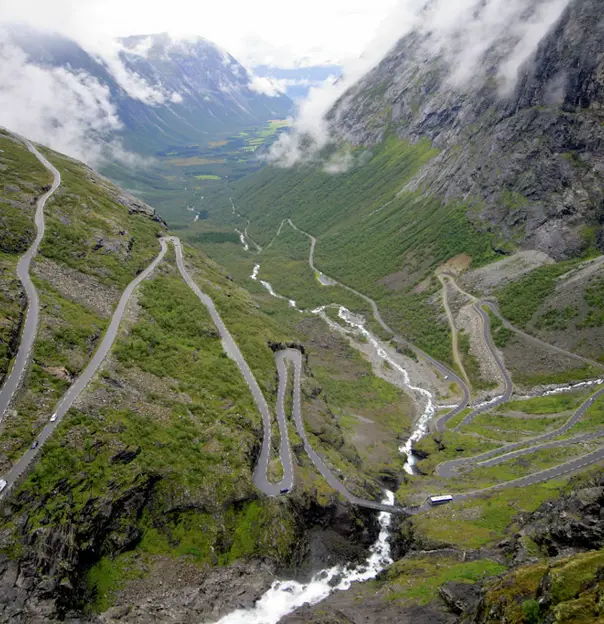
(269, 288)
(356, 325)
(284, 597)
(243, 241)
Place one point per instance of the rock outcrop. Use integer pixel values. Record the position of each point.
(567, 525)
(528, 153)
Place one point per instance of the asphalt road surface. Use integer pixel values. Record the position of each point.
(30, 327)
(444, 370)
(546, 345)
(449, 469)
(493, 307)
(232, 350)
(295, 357)
(79, 385)
(442, 278)
(507, 380)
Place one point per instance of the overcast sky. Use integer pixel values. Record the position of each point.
(356, 33)
(252, 30)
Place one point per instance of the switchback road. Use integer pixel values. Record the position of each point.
(454, 337)
(508, 386)
(295, 358)
(232, 350)
(30, 327)
(510, 451)
(502, 454)
(492, 306)
(80, 384)
(444, 370)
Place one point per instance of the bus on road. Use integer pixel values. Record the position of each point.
(440, 500)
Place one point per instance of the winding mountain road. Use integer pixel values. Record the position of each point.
(444, 370)
(232, 350)
(508, 386)
(492, 305)
(495, 310)
(448, 469)
(282, 359)
(454, 335)
(295, 357)
(32, 314)
(80, 384)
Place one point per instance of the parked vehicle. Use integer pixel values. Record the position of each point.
(3, 484)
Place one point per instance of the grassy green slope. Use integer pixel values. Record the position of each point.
(156, 458)
(371, 236)
(93, 247)
(22, 179)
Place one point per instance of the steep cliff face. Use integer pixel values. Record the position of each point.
(523, 143)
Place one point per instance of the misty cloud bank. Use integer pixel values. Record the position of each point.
(460, 32)
(266, 86)
(77, 112)
(71, 112)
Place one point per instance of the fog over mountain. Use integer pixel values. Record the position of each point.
(470, 36)
(334, 350)
(141, 94)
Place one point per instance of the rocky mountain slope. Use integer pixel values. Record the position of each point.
(164, 93)
(468, 154)
(149, 478)
(524, 150)
(554, 562)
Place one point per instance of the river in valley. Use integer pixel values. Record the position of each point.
(284, 597)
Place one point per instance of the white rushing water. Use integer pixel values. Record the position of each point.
(583, 384)
(489, 402)
(356, 325)
(268, 286)
(561, 389)
(284, 597)
(243, 241)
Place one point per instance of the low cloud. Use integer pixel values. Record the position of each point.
(71, 112)
(459, 32)
(464, 32)
(133, 84)
(310, 132)
(111, 53)
(340, 162)
(266, 86)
